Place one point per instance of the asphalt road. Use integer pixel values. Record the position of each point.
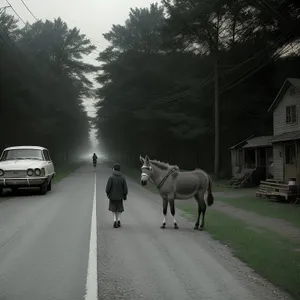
(62, 246)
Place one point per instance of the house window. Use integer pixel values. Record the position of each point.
(291, 114)
(290, 154)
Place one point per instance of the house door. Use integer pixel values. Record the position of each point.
(240, 159)
(290, 165)
(262, 157)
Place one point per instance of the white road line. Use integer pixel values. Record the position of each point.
(92, 276)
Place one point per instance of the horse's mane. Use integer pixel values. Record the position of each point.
(162, 165)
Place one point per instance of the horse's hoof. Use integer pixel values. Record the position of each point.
(163, 226)
(196, 228)
(201, 229)
(176, 226)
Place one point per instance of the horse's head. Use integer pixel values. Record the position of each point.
(146, 170)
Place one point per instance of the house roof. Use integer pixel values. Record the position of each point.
(254, 142)
(287, 136)
(259, 141)
(287, 83)
(240, 144)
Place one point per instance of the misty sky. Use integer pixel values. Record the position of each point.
(92, 17)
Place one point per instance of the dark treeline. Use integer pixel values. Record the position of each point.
(42, 84)
(157, 77)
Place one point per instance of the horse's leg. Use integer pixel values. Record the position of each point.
(203, 209)
(203, 216)
(199, 212)
(172, 209)
(165, 209)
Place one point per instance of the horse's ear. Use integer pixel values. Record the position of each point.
(141, 159)
(147, 159)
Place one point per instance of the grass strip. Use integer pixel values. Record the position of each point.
(264, 207)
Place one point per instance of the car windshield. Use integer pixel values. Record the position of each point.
(22, 154)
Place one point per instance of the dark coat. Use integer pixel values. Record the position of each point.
(116, 187)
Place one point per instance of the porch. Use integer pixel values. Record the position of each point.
(253, 157)
(287, 157)
(286, 183)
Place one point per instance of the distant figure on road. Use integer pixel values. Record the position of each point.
(116, 190)
(95, 157)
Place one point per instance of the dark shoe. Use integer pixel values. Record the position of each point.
(119, 224)
(115, 225)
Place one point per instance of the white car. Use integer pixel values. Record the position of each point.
(26, 166)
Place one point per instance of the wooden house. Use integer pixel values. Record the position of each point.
(286, 143)
(251, 160)
(286, 131)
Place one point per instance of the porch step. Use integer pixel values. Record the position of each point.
(242, 181)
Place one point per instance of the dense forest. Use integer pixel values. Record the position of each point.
(42, 85)
(183, 76)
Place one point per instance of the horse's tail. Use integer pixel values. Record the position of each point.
(210, 196)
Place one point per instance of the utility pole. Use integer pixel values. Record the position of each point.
(217, 108)
(217, 119)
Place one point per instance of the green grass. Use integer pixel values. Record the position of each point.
(264, 207)
(270, 255)
(65, 170)
(222, 186)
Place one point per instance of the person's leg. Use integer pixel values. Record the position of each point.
(120, 209)
(119, 219)
(115, 219)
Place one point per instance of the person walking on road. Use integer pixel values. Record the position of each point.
(95, 157)
(116, 191)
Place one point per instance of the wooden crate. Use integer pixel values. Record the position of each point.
(272, 188)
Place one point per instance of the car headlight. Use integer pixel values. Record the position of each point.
(29, 172)
(1, 172)
(37, 172)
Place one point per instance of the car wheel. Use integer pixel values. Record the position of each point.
(49, 187)
(44, 188)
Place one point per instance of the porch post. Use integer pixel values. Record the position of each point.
(283, 161)
(256, 157)
(267, 163)
(297, 164)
